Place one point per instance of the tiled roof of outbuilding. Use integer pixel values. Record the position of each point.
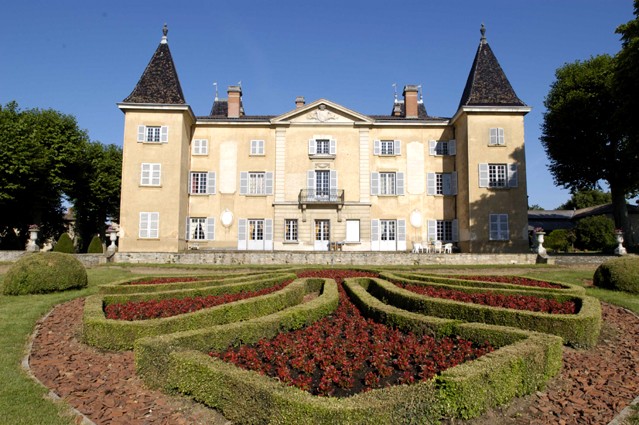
(487, 84)
(159, 83)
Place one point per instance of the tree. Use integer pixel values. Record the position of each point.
(583, 138)
(586, 198)
(535, 207)
(38, 153)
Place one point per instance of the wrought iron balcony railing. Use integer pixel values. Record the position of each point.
(314, 196)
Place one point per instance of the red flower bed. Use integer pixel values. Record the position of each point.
(515, 280)
(157, 280)
(344, 353)
(154, 309)
(518, 302)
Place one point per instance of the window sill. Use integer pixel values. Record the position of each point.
(322, 156)
(257, 154)
(255, 195)
(148, 239)
(200, 154)
(291, 242)
(151, 185)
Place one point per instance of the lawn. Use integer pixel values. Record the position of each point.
(22, 399)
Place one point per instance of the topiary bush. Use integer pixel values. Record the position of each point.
(560, 240)
(595, 233)
(43, 272)
(620, 274)
(65, 244)
(95, 247)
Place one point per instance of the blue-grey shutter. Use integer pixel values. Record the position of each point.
(431, 185)
(452, 147)
(453, 183)
(432, 147)
(268, 234)
(500, 136)
(401, 230)
(143, 231)
(399, 183)
(493, 136)
(432, 230)
(269, 182)
(154, 228)
(333, 184)
(512, 175)
(504, 233)
(164, 134)
(243, 182)
(374, 230)
(190, 183)
(311, 147)
(141, 133)
(333, 147)
(494, 227)
(210, 183)
(397, 148)
(376, 148)
(446, 184)
(374, 183)
(210, 228)
(241, 233)
(455, 230)
(188, 228)
(483, 175)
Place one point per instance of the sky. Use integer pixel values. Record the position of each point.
(83, 57)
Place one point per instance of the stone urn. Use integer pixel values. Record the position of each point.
(540, 243)
(33, 237)
(113, 236)
(620, 250)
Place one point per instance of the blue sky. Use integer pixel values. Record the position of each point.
(82, 57)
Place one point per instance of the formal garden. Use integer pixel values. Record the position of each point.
(291, 344)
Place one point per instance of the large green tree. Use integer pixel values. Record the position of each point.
(586, 198)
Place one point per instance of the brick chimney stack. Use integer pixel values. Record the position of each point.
(234, 101)
(410, 101)
(299, 101)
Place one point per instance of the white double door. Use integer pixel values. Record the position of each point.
(322, 235)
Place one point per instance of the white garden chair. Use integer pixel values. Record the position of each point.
(448, 248)
(437, 247)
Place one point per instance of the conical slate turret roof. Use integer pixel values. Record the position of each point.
(159, 83)
(487, 84)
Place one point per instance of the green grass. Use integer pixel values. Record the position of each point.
(22, 399)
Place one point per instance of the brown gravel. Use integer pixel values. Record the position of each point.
(593, 387)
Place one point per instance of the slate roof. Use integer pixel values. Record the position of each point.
(487, 84)
(159, 83)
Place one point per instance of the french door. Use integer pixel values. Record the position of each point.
(322, 234)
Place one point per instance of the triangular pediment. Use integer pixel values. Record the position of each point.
(321, 111)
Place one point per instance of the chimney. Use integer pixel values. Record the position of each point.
(299, 101)
(410, 101)
(234, 101)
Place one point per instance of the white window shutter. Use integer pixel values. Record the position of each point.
(377, 150)
(145, 174)
(432, 230)
(269, 183)
(455, 230)
(375, 235)
(431, 185)
(312, 149)
(493, 136)
(500, 136)
(164, 134)
(210, 228)
(190, 183)
(310, 180)
(241, 233)
(188, 228)
(512, 175)
(401, 235)
(333, 147)
(156, 174)
(141, 133)
(453, 183)
(483, 175)
(210, 183)
(432, 147)
(452, 147)
(397, 147)
(399, 183)
(143, 231)
(333, 183)
(268, 234)
(374, 183)
(243, 182)
(154, 227)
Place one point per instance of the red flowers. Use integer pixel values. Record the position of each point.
(518, 302)
(515, 280)
(345, 353)
(153, 309)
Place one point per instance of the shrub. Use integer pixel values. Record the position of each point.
(560, 240)
(595, 233)
(64, 245)
(43, 272)
(95, 247)
(621, 274)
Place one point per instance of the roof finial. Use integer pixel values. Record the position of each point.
(395, 92)
(165, 31)
(215, 85)
(421, 94)
(482, 30)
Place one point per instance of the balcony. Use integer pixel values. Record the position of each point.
(322, 197)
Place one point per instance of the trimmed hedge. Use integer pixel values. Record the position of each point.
(64, 244)
(578, 330)
(180, 361)
(621, 274)
(109, 334)
(95, 247)
(43, 272)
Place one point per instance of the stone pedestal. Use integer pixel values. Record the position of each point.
(33, 237)
(620, 250)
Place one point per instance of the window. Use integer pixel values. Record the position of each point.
(498, 227)
(257, 147)
(256, 230)
(149, 225)
(443, 230)
(387, 147)
(498, 175)
(322, 145)
(150, 174)
(387, 183)
(153, 134)
(352, 230)
(290, 230)
(199, 228)
(256, 183)
(496, 137)
(202, 183)
(443, 147)
(387, 230)
(200, 147)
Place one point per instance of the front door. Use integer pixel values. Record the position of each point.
(256, 234)
(322, 235)
(388, 235)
